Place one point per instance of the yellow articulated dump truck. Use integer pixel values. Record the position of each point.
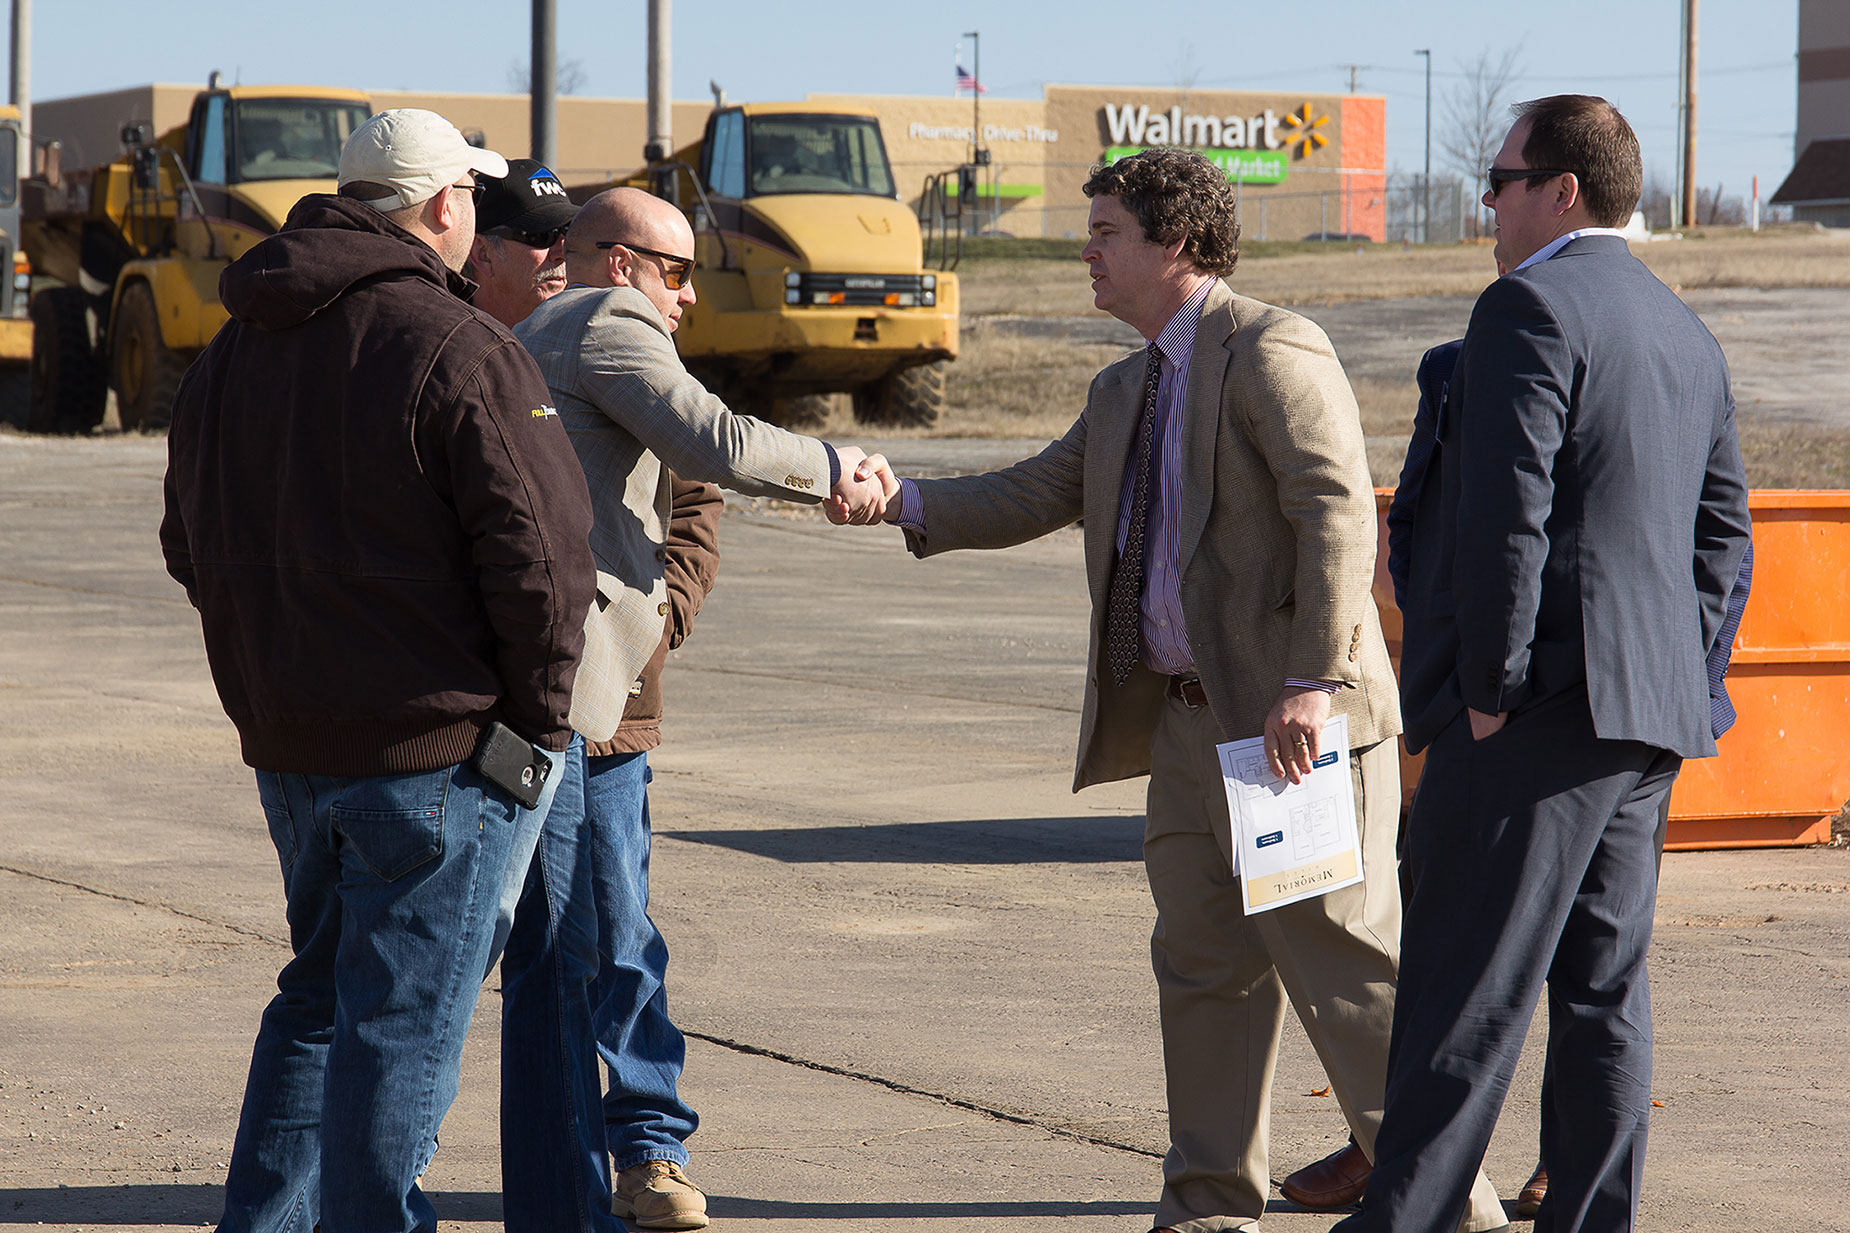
(811, 279)
(15, 329)
(138, 243)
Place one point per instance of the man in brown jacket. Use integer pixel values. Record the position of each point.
(371, 502)
(1230, 543)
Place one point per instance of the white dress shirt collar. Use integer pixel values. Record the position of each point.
(1550, 249)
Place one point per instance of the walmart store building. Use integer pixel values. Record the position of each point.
(1305, 164)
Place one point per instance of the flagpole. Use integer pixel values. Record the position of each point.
(976, 94)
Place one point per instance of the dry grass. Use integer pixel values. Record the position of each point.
(1778, 454)
(1008, 386)
(1795, 455)
(1005, 385)
(1787, 257)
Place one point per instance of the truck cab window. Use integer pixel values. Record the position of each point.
(728, 174)
(293, 139)
(819, 154)
(210, 165)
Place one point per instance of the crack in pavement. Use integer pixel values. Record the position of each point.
(143, 903)
(907, 1089)
(724, 1042)
(77, 590)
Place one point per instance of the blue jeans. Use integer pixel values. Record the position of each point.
(582, 979)
(393, 884)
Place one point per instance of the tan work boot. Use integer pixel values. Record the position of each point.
(657, 1195)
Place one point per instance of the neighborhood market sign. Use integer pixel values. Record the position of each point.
(1241, 166)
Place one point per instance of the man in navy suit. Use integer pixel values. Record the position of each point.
(1581, 522)
(1339, 1179)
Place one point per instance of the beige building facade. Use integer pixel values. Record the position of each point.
(1305, 164)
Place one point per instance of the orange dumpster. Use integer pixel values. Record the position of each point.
(1784, 769)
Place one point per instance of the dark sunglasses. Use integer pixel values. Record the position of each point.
(675, 270)
(1497, 177)
(532, 239)
(477, 189)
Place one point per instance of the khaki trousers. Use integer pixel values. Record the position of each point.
(1222, 978)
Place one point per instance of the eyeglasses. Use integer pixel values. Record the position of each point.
(476, 189)
(532, 239)
(1497, 177)
(675, 270)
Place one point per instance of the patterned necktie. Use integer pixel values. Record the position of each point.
(1124, 610)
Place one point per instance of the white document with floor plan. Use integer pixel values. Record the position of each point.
(1296, 840)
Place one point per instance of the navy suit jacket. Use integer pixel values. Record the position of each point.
(1582, 517)
(1435, 380)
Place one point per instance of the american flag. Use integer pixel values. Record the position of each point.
(967, 84)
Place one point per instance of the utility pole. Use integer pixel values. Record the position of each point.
(19, 91)
(1689, 113)
(661, 123)
(1353, 70)
(542, 81)
(1426, 179)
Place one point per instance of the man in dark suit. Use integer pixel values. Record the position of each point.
(1581, 522)
(1341, 1178)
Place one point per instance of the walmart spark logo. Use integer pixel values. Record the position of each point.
(1304, 124)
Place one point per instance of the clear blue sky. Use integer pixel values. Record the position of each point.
(1623, 49)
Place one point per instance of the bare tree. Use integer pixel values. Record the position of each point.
(1716, 210)
(569, 77)
(1476, 114)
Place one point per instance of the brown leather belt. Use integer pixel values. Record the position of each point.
(1188, 690)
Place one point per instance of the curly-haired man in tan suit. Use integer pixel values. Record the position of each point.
(1230, 527)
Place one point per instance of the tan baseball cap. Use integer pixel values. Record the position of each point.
(413, 152)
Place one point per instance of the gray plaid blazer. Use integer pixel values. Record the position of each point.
(632, 412)
(1278, 531)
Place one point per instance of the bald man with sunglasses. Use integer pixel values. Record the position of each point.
(518, 263)
(605, 346)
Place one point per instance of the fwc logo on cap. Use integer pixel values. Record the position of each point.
(546, 183)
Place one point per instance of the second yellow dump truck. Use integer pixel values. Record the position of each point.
(811, 277)
(138, 243)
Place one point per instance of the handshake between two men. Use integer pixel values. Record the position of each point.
(867, 491)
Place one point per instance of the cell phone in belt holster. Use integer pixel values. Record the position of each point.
(509, 760)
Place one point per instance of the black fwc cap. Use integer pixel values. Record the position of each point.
(528, 198)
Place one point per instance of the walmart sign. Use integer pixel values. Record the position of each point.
(1240, 166)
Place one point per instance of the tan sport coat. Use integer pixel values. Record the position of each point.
(1278, 531)
(632, 412)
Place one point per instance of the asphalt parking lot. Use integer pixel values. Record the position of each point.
(913, 965)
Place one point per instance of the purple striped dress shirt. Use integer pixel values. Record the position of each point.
(1165, 635)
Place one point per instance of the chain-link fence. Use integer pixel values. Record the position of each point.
(1336, 204)
(1443, 210)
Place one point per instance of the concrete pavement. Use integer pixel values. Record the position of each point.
(913, 965)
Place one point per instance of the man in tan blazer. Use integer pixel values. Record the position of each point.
(1230, 543)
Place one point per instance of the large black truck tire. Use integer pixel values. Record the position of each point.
(69, 383)
(910, 398)
(144, 370)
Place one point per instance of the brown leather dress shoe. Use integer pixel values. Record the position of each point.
(1333, 1183)
(1529, 1198)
